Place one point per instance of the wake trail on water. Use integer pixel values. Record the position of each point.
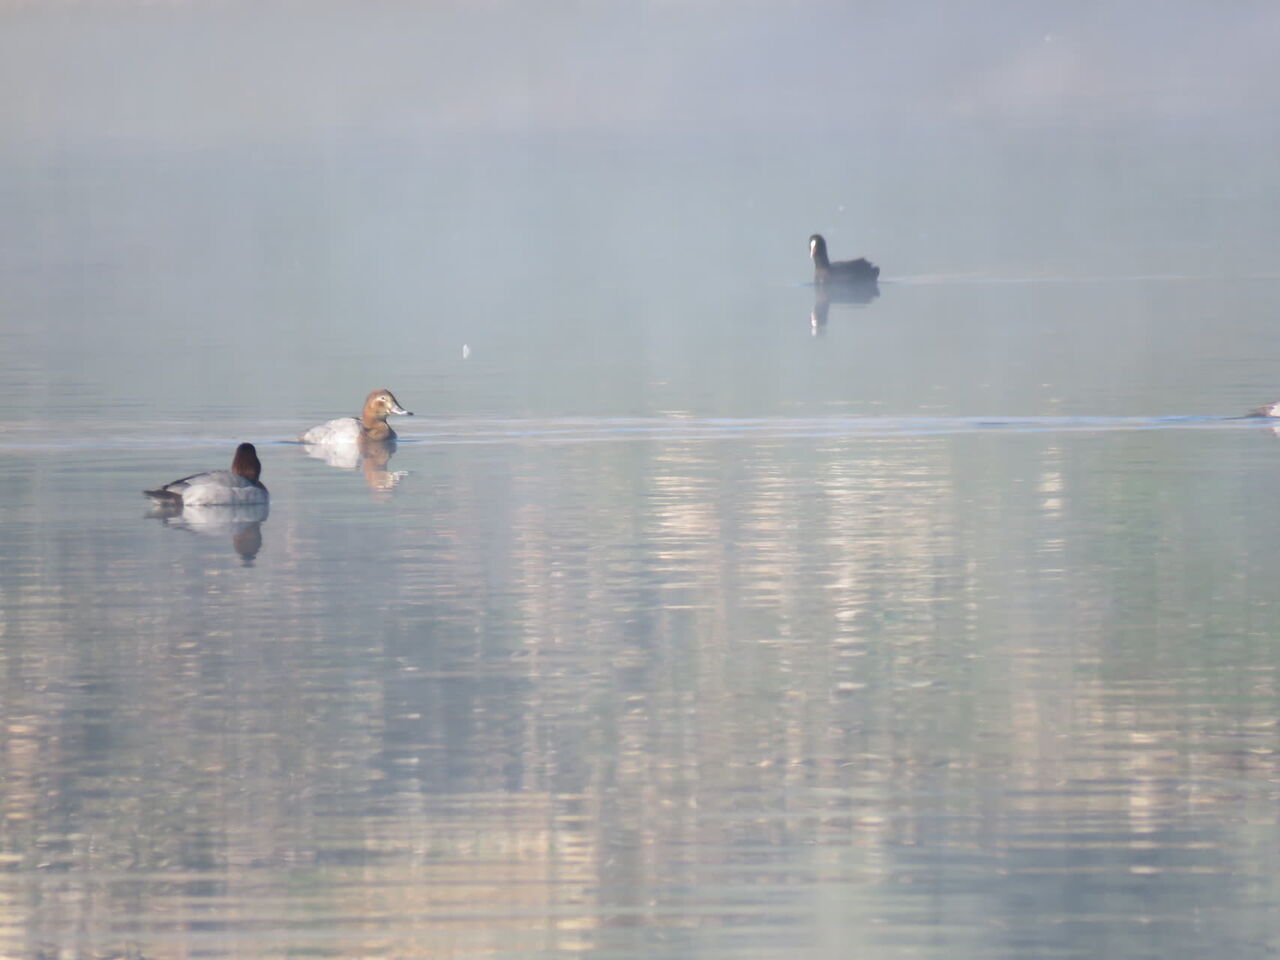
(568, 430)
(727, 428)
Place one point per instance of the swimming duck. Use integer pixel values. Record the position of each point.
(861, 270)
(239, 485)
(372, 424)
(1270, 410)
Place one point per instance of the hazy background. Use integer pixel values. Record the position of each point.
(201, 75)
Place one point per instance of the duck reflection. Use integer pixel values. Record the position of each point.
(856, 293)
(242, 522)
(370, 456)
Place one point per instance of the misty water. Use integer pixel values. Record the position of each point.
(693, 615)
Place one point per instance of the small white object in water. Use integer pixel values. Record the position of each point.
(466, 351)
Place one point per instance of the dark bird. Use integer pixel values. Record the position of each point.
(861, 270)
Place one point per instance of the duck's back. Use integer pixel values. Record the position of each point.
(342, 430)
(215, 488)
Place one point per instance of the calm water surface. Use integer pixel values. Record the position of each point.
(678, 624)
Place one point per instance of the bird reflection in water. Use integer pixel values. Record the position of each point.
(242, 522)
(854, 293)
(371, 456)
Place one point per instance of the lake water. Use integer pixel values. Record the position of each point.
(687, 619)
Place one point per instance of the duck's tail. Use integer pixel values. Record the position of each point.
(164, 497)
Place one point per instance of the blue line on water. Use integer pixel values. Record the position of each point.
(586, 430)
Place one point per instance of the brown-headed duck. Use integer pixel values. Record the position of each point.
(372, 424)
(239, 485)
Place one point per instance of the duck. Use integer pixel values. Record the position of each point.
(1271, 410)
(371, 425)
(235, 487)
(861, 270)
